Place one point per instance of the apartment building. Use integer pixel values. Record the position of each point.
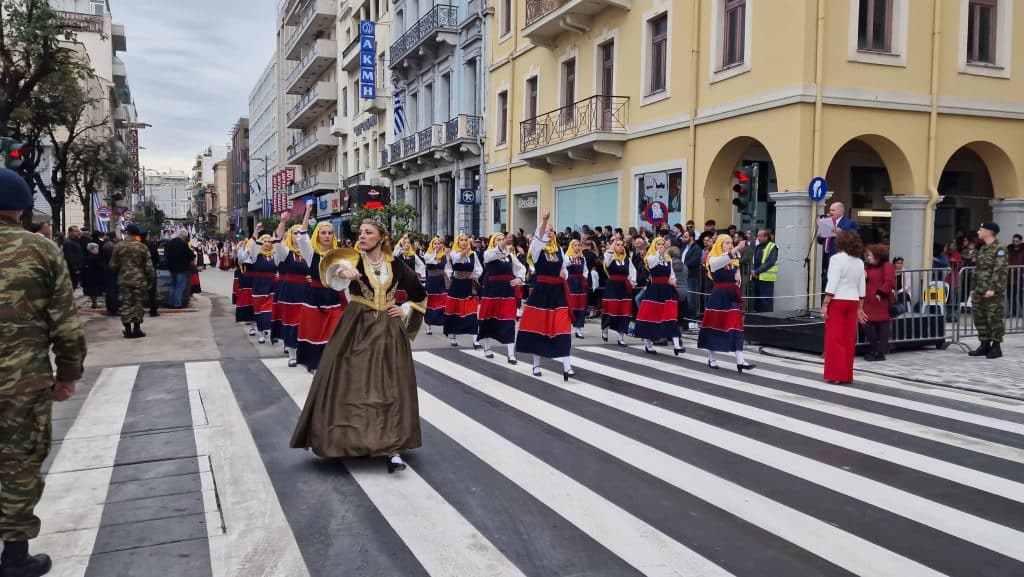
(603, 107)
(209, 200)
(263, 140)
(171, 192)
(434, 153)
(308, 96)
(238, 176)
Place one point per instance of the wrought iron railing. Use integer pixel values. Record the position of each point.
(354, 180)
(352, 46)
(396, 151)
(537, 9)
(424, 139)
(308, 183)
(462, 126)
(408, 145)
(588, 116)
(384, 157)
(440, 16)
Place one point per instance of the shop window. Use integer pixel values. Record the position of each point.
(663, 187)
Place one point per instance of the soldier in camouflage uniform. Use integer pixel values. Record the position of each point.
(134, 268)
(37, 310)
(989, 291)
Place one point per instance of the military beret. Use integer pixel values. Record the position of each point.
(133, 229)
(14, 191)
(990, 226)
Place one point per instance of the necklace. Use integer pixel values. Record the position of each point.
(377, 267)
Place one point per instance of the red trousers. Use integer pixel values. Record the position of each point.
(840, 340)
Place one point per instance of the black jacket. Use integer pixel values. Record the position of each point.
(178, 255)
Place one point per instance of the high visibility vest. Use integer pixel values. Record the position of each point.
(771, 274)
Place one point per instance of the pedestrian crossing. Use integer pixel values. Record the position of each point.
(640, 465)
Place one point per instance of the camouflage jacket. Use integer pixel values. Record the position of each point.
(132, 263)
(990, 271)
(37, 311)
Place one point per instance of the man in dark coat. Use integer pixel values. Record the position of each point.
(178, 256)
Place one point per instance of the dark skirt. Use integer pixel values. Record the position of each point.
(578, 299)
(437, 298)
(658, 317)
(546, 324)
(319, 318)
(287, 314)
(363, 399)
(498, 310)
(721, 327)
(617, 305)
(243, 298)
(460, 310)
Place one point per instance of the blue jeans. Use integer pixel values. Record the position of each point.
(179, 284)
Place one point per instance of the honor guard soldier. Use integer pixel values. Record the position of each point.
(37, 312)
(134, 268)
(989, 291)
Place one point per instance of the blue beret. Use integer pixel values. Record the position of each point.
(14, 191)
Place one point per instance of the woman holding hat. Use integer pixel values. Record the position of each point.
(721, 328)
(363, 399)
(498, 300)
(322, 306)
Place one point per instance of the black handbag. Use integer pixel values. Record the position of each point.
(896, 308)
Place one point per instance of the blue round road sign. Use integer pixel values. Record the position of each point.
(817, 189)
(656, 213)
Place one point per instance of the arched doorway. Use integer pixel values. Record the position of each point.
(975, 174)
(861, 174)
(718, 194)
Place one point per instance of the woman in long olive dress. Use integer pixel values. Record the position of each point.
(363, 399)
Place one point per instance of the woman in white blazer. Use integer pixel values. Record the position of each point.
(843, 307)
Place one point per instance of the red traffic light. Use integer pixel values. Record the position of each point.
(741, 176)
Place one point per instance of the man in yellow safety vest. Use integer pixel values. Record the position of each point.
(764, 269)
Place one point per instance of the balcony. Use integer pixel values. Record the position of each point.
(369, 177)
(546, 19)
(350, 57)
(316, 21)
(463, 132)
(593, 125)
(440, 25)
(340, 126)
(316, 182)
(120, 73)
(311, 146)
(321, 98)
(320, 57)
(117, 38)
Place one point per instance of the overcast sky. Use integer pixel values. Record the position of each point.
(191, 65)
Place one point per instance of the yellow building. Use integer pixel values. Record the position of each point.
(914, 117)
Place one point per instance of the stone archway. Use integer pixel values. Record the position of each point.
(718, 185)
(974, 176)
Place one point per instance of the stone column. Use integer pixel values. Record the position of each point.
(794, 236)
(1008, 213)
(907, 230)
(441, 194)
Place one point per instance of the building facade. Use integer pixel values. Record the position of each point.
(434, 151)
(171, 192)
(210, 200)
(915, 123)
(238, 176)
(263, 140)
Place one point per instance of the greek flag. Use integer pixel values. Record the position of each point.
(399, 109)
(101, 223)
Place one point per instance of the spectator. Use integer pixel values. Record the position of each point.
(904, 283)
(690, 254)
(843, 306)
(73, 254)
(1015, 289)
(764, 271)
(93, 274)
(179, 257)
(879, 286)
(111, 292)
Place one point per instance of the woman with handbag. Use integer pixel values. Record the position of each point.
(880, 283)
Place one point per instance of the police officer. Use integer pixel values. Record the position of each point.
(135, 272)
(764, 270)
(37, 310)
(989, 290)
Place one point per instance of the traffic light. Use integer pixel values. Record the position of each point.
(745, 190)
(13, 151)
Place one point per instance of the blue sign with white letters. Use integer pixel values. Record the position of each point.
(467, 196)
(817, 189)
(367, 59)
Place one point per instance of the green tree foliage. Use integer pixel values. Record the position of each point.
(95, 163)
(397, 215)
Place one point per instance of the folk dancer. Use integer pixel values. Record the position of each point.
(435, 260)
(462, 269)
(407, 252)
(658, 317)
(293, 272)
(262, 272)
(721, 329)
(617, 304)
(243, 285)
(323, 306)
(546, 325)
(363, 398)
(498, 300)
(576, 265)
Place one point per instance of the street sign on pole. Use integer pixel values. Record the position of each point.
(818, 189)
(467, 196)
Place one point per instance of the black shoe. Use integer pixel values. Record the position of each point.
(293, 363)
(981, 351)
(512, 360)
(127, 331)
(604, 336)
(273, 341)
(712, 364)
(488, 353)
(21, 564)
(536, 371)
(879, 357)
(567, 374)
(650, 351)
(476, 345)
(137, 331)
(744, 367)
(679, 351)
(154, 313)
(871, 357)
(622, 343)
(995, 351)
(395, 466)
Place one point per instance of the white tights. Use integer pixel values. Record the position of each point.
(566, 362)
(739, 357)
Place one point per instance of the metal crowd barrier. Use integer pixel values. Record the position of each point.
(962, 301)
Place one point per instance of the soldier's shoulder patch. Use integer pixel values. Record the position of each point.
(1001, 253)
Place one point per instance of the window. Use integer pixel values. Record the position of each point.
(874, 25)
(503, 117)
(659, 54)
(981, 32)
(344, 101)
(530, 126)
(734, 32)
(568, 89)
(506, 17)
(98, 8)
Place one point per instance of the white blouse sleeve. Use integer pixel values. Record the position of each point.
(537, 245)
(430, 258)
(835, 271)
(654, 260)
(518, 269)
(280, 252)
(609, 256)
(448, 265)
(493, 254)
(478, 269)
(305, 247)
(421, 269)
(632, 271)
(720, 261)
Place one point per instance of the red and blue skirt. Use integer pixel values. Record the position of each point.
(721, 328)
(263, 298)
(498, 309)
(546, 325)
(437, 298)
(617, 304)
(288, 303)
(319, 317)
(242, 297)
(578, 299)
(460, 309)
(657, 317)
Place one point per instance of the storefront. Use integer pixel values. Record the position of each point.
(524, 215)
(594, 204)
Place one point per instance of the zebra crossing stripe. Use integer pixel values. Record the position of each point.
(255, 532)
(750, 387)
(947, 519)
(828, 542)
(642, 546)
(441, 539)
(933, 466)
(77, 482)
